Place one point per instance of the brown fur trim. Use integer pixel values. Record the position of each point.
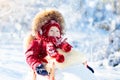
(43, 17)
(27, 40)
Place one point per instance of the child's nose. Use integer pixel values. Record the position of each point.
(54, 32)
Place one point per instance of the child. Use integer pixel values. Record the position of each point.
(46, 45)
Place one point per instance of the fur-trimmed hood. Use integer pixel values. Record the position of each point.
(43, 17)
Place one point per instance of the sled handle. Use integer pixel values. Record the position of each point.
(52, 72)
(34, 75)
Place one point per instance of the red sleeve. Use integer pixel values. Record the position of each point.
(32, 54)
(65, 46)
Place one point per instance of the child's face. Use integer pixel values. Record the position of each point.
(54, 31)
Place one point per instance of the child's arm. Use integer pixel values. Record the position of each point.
(33, 59)
(31, 55)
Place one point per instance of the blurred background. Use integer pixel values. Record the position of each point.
(92, 27)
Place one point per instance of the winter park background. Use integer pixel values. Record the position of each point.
(92, 27)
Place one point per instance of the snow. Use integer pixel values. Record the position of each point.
(76, 72)
(92, 27)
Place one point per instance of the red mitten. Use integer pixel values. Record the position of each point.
(60, 58)
(55, 40)
(66, 47)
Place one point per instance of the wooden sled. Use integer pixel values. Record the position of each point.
(71, 58)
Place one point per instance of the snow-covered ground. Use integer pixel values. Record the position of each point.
(15, 21)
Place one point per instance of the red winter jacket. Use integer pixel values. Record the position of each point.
(36, 52)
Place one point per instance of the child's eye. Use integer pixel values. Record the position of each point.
(57, 31)
(51, 30)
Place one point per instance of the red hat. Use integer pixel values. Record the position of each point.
(47, 26)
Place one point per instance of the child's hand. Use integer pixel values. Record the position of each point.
(55, 40)
(41, 70)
